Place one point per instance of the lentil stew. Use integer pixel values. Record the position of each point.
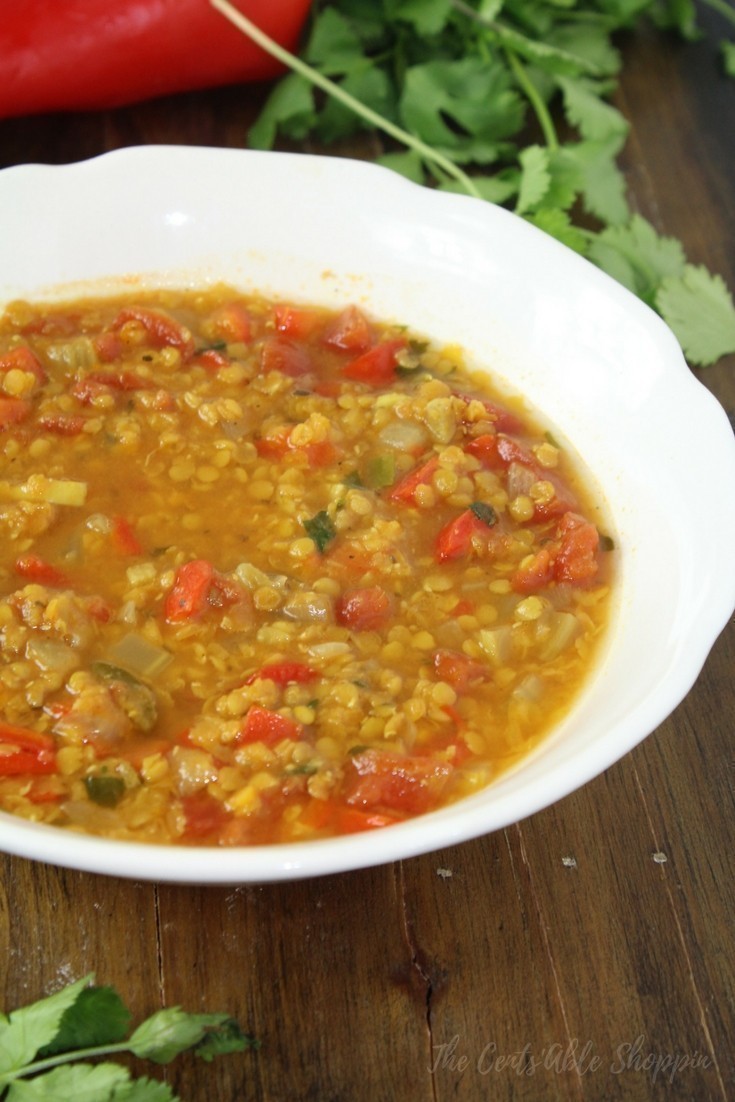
(273, 572)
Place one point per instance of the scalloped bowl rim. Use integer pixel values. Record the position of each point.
(596, 362)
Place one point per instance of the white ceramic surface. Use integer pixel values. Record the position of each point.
(602, 368)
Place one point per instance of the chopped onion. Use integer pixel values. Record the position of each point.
(136, 654)
(403, 435)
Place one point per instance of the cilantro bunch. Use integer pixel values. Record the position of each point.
(45, 1048)
(509, 101)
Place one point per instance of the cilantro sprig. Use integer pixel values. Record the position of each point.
(455, 84)
(45, 1048)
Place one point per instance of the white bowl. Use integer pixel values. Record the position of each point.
(595, 361)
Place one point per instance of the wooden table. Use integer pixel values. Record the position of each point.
(585, 953)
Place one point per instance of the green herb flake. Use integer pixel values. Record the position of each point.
(484, 512)
(320, 528)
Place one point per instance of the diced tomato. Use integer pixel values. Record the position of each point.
(108, 346)
(338, 818)
(297, 322)
(22, 358)
(463, 608)
(36, 569)
(31, 751)
(281, 354)
(94, 384)
(323, 453)
(284, 673)
(405, 490)
(377, 366)
(263, 725)
(534, 573)
(212, 359)
(62, 424)
(232, 321)
(485, 448)
(368, 609)
(41, 792)
(187, 598)
(124, 537)
(13, 411)
(274, 446)
(455, 538)
(350, 330)
(503, 419)
(397, 782)
(576, 560)
(204, 816)
(162, 330)
(458, 670)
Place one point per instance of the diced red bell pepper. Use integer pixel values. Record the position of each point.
(368, 609)
(36, 569)
(377, 366)
(350, 331)
(284, 673)
(31, 751)
(187, 599)
(405, 490)
(263, 725)
(396, 782)
(82, 55)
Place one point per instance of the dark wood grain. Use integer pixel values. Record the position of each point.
(575, 955)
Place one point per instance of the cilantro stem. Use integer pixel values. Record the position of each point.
(542, 113)
(63, 1058)
(723, 8)
(315, 77)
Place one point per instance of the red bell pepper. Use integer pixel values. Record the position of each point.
(25, 751)
(78, 55)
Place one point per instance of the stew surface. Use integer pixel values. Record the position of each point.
(273, 572)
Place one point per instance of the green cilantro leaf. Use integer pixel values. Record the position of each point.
(289, 107)
(650, 258)
(587, 111)
(82, 1083)
(98, 1016)
(700, 310)
(31, 1028)
(465, 107)
(320, 528)
(558, 224)
(170, 1032)
(535, 178)
(225, 1038)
